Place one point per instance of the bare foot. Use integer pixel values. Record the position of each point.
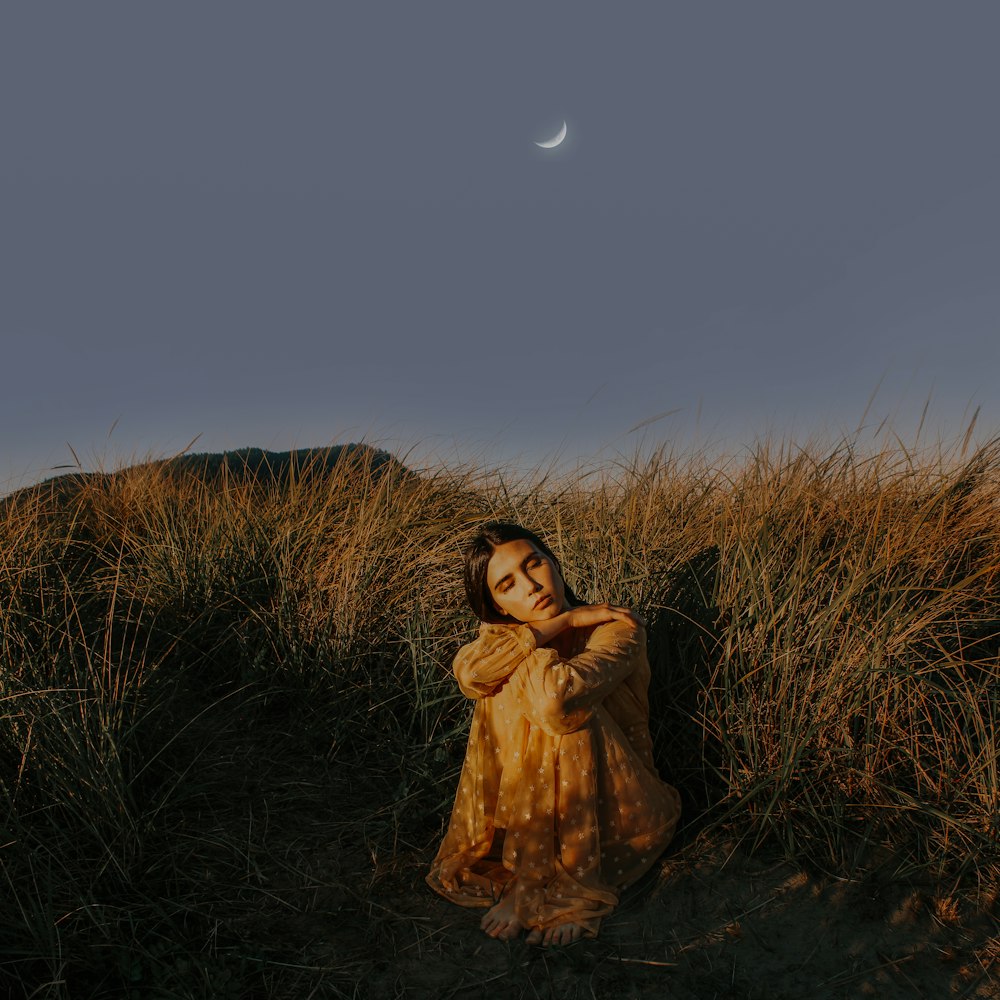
(500, 921)
(563, 934)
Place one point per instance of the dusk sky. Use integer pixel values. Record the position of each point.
(296, 224)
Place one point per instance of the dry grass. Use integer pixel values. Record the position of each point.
(824, 630)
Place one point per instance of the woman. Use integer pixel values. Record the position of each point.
(559, 804)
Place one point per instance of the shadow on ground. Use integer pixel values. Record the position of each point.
(326, 899)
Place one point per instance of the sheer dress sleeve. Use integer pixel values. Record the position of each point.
(482, 667)
(557, 694)
(560, 695)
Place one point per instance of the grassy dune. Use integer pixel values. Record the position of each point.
(228, 732)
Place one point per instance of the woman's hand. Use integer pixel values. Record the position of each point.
(598, 614)
(589, 614)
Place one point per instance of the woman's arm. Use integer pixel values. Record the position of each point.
(560, 695)
(482, 666)
(581, 617)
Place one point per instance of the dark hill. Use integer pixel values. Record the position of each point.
(278, 466)
(245, 465)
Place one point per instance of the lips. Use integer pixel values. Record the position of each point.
(541, 602)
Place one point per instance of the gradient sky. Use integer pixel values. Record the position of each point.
(292, 224)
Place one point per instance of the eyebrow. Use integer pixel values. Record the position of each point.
(509, 576)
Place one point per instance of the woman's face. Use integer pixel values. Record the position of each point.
(524, 582)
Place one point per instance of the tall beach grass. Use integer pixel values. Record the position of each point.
(823, 630)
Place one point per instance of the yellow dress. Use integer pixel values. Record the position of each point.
(559, 801)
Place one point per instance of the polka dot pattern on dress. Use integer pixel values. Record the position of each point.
(559, 798)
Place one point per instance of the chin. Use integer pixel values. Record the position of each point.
(552, 611)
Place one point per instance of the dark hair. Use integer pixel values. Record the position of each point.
(477, 559)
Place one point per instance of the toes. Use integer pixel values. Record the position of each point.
(511, 931)
(507, 930)
(500, 927)
(563, 934)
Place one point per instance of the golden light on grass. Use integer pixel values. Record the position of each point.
(824, 631)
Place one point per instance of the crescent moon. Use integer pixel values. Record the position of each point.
(555, 140)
